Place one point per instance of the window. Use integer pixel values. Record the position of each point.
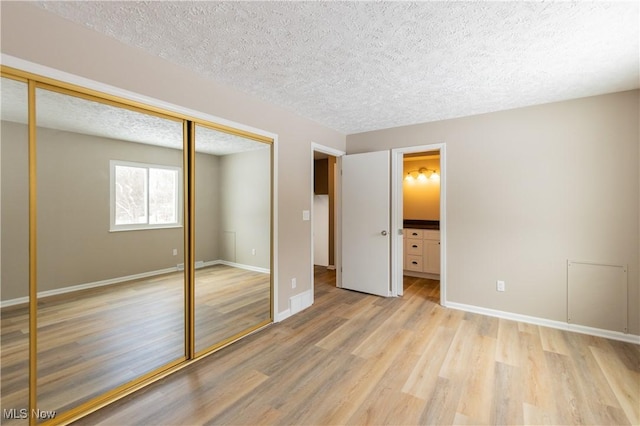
(145, 196)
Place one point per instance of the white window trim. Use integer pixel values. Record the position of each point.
(142, 226)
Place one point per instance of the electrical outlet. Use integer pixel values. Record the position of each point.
(253, 252)
(294, 283)
(175, 252)
(500, 286)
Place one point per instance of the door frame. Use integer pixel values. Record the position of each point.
(397, 176)
(337, 241)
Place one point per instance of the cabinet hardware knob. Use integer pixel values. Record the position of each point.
(383, 233)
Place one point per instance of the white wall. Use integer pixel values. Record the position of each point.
(530, 188)
(35, 35)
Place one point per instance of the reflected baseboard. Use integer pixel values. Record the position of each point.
(101, 283)
(238, 265)
(118, 280)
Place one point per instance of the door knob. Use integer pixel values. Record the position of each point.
(383, 233)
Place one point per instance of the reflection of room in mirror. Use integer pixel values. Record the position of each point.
(14, 101)
(78, 247)
(216, 142)
(62, 112)
(14, 235)
(232, 206)
(111, 296)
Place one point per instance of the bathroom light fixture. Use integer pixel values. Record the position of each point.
(422, 174)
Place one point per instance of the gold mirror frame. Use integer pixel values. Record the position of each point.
(35, 81)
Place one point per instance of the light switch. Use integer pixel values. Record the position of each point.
(306, 215)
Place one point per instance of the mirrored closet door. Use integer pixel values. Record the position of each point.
(14, 253)
(109, 242)
(232, 236)
(134, 240)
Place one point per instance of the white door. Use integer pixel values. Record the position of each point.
(365, 222)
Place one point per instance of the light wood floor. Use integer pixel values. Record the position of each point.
(352, 358)
(94, 340)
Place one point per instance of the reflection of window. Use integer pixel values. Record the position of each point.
(144, 196)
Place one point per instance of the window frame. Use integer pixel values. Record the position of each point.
(113, 227)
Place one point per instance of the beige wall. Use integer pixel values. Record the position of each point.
(559, 181)
(15, 210)
(421, 200)
(34, 35)
(74, 243)
(245, 205)
(528, 189)
(207, 208)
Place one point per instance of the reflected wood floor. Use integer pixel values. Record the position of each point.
(352, 358)
(94, 340)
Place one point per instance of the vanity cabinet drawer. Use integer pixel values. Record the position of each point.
(414, 247)
(414, 263)
(422, 250)
(413, 233)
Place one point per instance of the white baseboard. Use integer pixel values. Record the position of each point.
(239, 265)
(101, 283)
(281, 316)
(300, 302)
(608, 334)
(297, 303)
(416, 274)
(199, 264)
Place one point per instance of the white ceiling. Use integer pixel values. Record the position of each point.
(360, 66)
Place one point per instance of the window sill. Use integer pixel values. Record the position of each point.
(144, 228)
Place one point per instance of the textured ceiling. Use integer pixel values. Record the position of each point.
(359, 66)
(71, 114)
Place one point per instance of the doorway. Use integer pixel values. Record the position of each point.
(395, 259)
(420, 249)
(421, 219)
(323, 210)
(325, 205)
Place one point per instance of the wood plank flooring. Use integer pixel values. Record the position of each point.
(94, 340)
(357, 359)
